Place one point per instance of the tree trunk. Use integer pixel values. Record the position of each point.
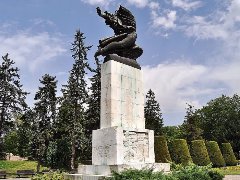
(73, 155)
(38, 166)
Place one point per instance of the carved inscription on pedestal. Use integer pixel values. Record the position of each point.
(135, 146)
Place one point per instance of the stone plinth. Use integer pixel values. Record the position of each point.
(122, 97)
(117, 146)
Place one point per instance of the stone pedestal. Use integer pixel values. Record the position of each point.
(122, 142)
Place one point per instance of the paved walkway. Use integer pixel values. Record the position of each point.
(232, 177)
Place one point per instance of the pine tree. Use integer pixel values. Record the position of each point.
(93, 111)
(45, 109)
(153, 115)
(12, 96)
(75, 97)
(190, 127)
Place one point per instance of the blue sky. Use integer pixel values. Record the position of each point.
(191, 47)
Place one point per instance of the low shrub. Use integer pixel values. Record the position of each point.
(191, 172)
(199, 153)
(49, 176)
(161, 150)
(215, 154)
(194, 172)
(144, 174)
(179, 152)
(228, 154)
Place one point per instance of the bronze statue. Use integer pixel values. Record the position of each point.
(120, 47)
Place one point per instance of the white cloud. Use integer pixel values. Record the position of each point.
(167, 21)
(178, 83)
(186, 4)
(31, 50)
(103, 3)
(139, 3)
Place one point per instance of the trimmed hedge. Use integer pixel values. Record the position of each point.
(161, 150)
(179, 152)
(228, 154)
(199, 153)
(215, 154)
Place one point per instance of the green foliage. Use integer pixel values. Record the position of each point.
(144, 174)
(161, 149)
(179, 152)
(11, 142)
(228, 154)
(199, 153)
(194, 172)
(45, 109)
(220, 120)
(75, 98)
(49, 176)
(153, 115)
(172, 132)
(190, 172)
(12, 96)
(215, 154)
(190, 127)
(229, 170)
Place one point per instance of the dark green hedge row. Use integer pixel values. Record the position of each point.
(161, 150)
(228, 154)
(179, 152)
(215, 154)
(199, 153)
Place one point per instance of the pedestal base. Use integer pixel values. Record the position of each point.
(97, 172)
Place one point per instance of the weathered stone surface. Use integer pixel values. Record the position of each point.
(107, 169)
(117, 146)
(122, 97)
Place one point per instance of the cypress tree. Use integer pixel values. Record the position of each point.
(153, 115)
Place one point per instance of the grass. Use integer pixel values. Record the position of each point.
(229, 170)
(11, 167)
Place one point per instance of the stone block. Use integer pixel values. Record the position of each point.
(121, 93)
(115, 146)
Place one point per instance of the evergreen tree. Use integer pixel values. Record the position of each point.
(93, 111)
(24, 133)
(153, 115)
(75, 97)
(190, 127)
(12, 96)
(45, 109)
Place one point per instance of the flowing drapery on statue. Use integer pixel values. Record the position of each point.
(121, 47)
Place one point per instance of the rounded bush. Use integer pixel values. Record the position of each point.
(215, 154)
(179, 152)
(161, 150)
(199, 153)
(228, 154)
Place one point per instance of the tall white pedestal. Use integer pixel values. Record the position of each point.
(122, 142)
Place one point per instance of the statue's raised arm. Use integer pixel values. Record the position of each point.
(122, 45)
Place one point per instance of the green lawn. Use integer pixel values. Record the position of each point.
(12, 166)
(230, 170)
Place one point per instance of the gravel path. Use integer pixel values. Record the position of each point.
(232, 177)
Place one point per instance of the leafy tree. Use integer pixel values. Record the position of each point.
(11, 142)
(190, 126)
(93, 111)
(153, 115)
(172, 132)
(12, 95)
(220, 120)
(45, 109)
(75, 97)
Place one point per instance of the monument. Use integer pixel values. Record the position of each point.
(122, 141)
